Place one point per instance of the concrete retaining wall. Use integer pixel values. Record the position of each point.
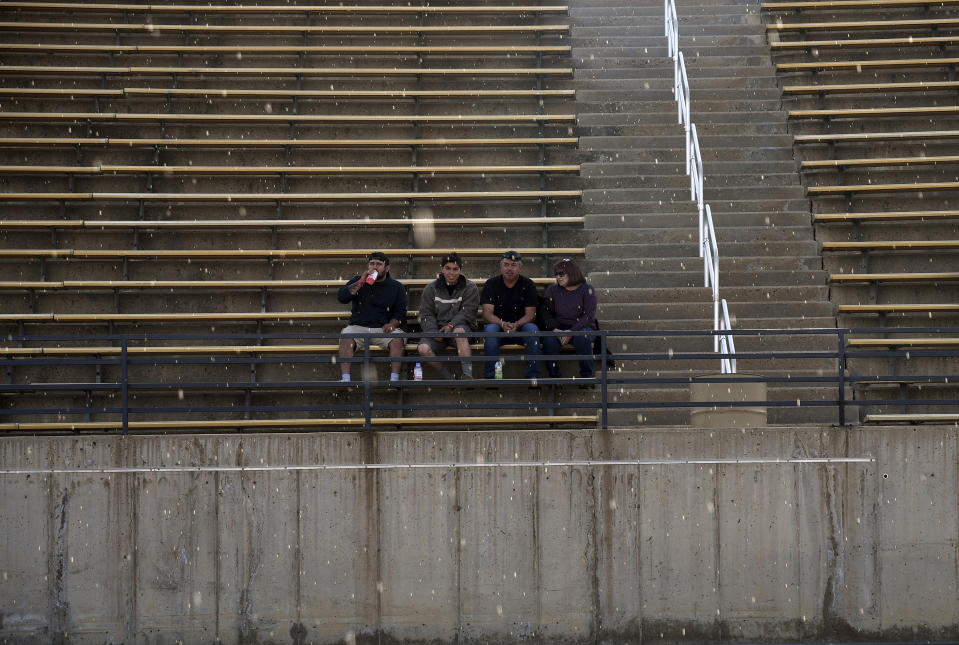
(670, 552)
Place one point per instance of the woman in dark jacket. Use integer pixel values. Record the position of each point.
(570, 305)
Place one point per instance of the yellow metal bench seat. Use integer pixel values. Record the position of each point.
(894, 277)
(851, 4)
(249, 424)
(122, 117)
(876, 25)
(272, 9)
(878, 161)
(881, 216)
(892, 245)
(482, 195)
(813, 191)
(269, 93)
(937, 307)
(853, 43)
(913, 418)
(503, 49)
(204, 284)
(286, 170)
(155, 28)
(280, 143)
(865, 113)
(866, 64)
(289, 223)
(903, 342)
(273, 253)
(865, 137)
(71, 70)
(871, 87)
(161, 350)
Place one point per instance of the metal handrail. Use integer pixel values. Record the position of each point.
(696, 179)
(120, 380)
(726, 343)
(682, 95)
(708, 250)
(672, 27)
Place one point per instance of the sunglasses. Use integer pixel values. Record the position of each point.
(560, 274)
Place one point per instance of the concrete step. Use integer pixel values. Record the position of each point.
(690, 235)
(656, 31)
(656, 68)
(719, 80)
(713, 194)
(727, 225)
(694, 55)
(666, 105)
(619, 272)
(748, 183)
(614, 160)
(690, 274)
(578, 13)
(736, 170)
(677, 140)
(668, 115)
(741, 321)
(609, 207)
(661, 294)
(662, 311)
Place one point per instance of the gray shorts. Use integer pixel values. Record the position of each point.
(437, 345)
(382, 341)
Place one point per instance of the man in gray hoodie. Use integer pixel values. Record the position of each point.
(449, 304)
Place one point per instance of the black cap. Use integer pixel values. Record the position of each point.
(379, 255)
(513, 255)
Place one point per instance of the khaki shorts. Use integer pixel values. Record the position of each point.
(382, 341)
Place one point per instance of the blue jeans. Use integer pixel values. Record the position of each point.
(583, 345)
(491, 347)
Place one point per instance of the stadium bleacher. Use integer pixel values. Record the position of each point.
(870, 88)
(192, 167)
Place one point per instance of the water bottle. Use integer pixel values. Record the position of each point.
(498, 370)
(417, 372)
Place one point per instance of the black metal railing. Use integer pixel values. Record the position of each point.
(124, 377)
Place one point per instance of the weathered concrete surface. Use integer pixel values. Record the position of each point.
(652, 553)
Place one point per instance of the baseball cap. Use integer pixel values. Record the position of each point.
(513, 255)
(379, 255)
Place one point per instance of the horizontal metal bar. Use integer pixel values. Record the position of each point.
(443, 466)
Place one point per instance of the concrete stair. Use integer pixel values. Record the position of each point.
(642, 240)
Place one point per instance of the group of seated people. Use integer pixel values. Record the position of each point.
(507, 303)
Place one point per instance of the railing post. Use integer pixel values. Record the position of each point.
(842, 376)
(604, 396)
(124, 388)
(367, 393)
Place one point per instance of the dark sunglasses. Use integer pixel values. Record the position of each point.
(560, 274)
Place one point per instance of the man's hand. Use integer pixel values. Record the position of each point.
(509, 327)
(448, 327)
(355, 287)
(564, 340)
(389, 327)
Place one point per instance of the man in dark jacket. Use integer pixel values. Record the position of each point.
(509, 304)
(378, 306)
(449, 304)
